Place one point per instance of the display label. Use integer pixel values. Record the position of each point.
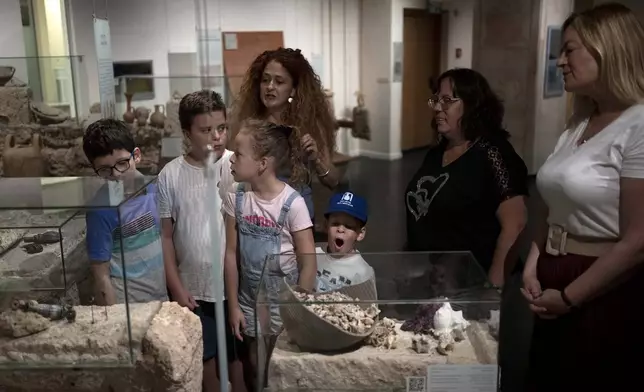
(105, 67)
(462, 378)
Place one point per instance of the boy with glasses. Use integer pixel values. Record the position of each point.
(109, 147)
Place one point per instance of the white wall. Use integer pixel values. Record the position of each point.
(11, 37)
(460, 24)
(375, 76)
(150, 29)
(550, 113)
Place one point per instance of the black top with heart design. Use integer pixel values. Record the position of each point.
(453, 207)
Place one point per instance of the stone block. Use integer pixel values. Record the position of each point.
(370, 368)
(14, 104)
(168, 350)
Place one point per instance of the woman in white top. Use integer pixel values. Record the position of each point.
(584, 277)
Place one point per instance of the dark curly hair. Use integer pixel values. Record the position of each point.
(482, 109)
(309, 111)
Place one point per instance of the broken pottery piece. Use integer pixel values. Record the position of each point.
(421, 344)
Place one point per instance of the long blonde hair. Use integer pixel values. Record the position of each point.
(614, 36)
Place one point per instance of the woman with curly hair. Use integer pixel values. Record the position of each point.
(280, 86)
(468, 194)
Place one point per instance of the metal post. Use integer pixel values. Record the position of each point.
(215, 215)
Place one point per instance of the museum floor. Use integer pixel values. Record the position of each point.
(383, 184)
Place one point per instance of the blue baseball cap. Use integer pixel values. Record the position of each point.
(349, 203)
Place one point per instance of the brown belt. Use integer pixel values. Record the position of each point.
(561, 243)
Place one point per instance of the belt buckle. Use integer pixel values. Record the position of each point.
(556, 243)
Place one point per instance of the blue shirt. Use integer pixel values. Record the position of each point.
(134, 241)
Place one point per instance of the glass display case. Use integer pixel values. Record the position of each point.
(411, 320)
(56, 89)
(44, 258)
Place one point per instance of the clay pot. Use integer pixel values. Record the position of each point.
(6, 73)
(142, 114)
(129, 115)
(157, 119)
(23, 161)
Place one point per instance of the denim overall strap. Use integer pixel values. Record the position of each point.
(258, 245)
(286, 208)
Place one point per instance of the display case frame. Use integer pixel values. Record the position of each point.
(309, 352)
(59, 206)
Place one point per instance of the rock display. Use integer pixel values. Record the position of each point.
(62, 137)
(167, 349)
(370, 368)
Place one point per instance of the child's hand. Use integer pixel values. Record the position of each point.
(237, 322)
(185, 299)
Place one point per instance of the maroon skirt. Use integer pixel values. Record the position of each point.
(597, 347)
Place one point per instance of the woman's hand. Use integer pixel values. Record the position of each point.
(548, 305)
(185, 299)
(310, 147)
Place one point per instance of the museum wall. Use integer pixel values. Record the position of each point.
(11, 38)
(325, 30)
(550, 113)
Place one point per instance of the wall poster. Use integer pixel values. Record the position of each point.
(106, 81)
(553, 85)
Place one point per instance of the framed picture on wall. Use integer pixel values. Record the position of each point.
(553, 85)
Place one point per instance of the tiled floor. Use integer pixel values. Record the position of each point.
(383, 184)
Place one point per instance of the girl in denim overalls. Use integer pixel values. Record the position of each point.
(265, 218)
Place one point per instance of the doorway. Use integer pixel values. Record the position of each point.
(421, 66)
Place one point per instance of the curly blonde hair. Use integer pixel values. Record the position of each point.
(280, 142)
(309, 111)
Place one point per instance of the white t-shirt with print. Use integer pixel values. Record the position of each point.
(581, 183)
(334, 273)
(183, 196)
(266, 213)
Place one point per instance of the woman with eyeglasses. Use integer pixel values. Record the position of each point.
(468, 194)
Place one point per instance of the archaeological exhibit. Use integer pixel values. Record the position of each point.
(420, 310)
(38, 140)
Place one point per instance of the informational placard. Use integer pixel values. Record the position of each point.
(105, 68)
(462, 378)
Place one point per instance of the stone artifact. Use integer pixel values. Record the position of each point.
(51, 311)
(142, 113)
(449, 327)
(384, 335)
(48, 237)
(32, 248)
(18, 324)
(6, 73)
(23, 161)
(494, 322)
(157, 119)
(349, 317)
(423, 321)
(129, 115)
(166, 352)
(373, 367)
(46, 115)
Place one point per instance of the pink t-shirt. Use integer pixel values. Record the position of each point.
(266, 213)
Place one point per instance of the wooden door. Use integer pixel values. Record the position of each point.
(421, 63)
(241, 49)
(506, 34)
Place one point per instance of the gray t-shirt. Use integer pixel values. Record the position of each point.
(334, 273)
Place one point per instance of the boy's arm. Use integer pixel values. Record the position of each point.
(164, 205)
(104, 291)
(99, 250)
(170, 259)
(231, 274)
